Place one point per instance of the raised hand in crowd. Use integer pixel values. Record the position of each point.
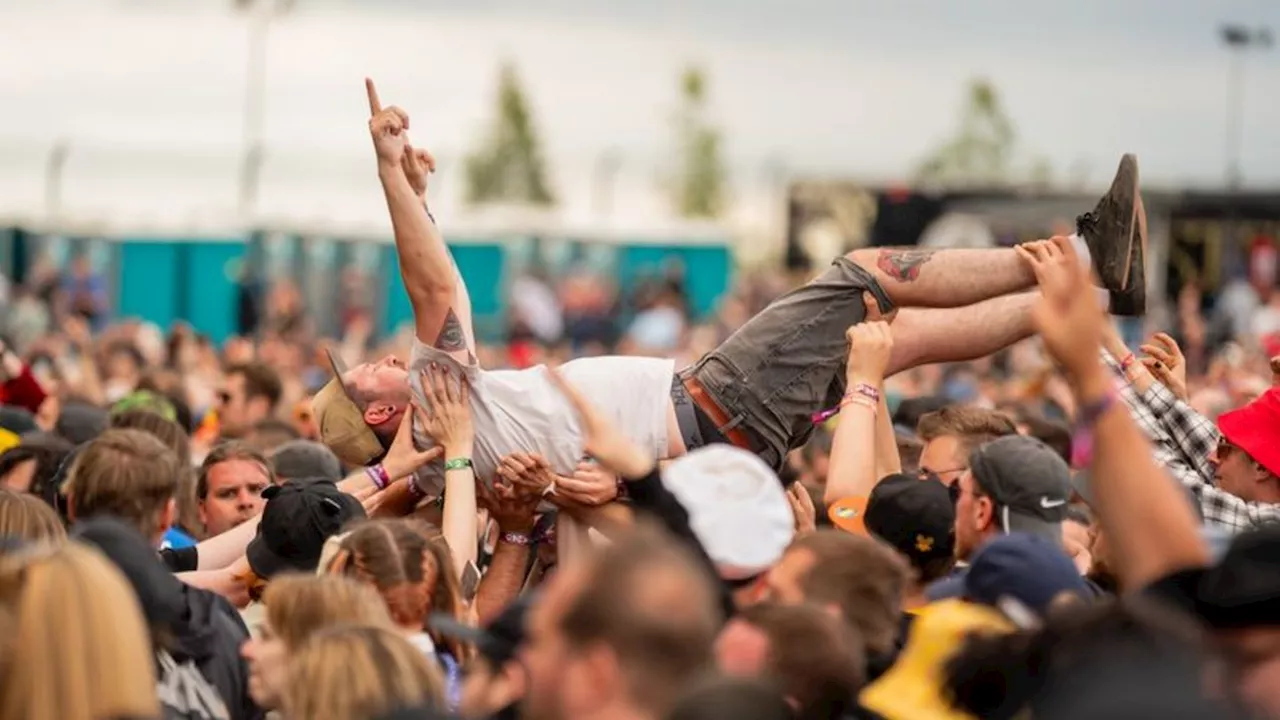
(1166, 363)
(388, 127)
(870, 347)
(590, 484)
(1040, 254)
(447, 416)
(602, 439)
(1149, 525)
(514, 508)
(418, 164)
(403, 458)
(802, 508)
(529, 472)
(852, 473)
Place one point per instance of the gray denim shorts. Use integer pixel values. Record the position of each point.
(788, 362)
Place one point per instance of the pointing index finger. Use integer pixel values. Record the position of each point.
(375, 105)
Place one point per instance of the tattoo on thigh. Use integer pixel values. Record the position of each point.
(903, 265)
(451, 338)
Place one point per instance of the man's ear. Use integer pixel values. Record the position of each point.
(378, 413)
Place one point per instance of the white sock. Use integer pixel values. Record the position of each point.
(1082, 249)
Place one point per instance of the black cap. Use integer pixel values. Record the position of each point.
(498, 641)
(1243, 589)
(299, 516)
(916, 517)
(1029, 483)
(17, 420)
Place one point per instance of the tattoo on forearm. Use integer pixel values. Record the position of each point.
(451, 338)
(903, 265)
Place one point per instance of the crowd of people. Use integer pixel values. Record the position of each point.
(925, 484)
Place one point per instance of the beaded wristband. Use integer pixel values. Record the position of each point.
(378, 474)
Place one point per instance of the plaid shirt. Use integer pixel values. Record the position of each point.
(1182, 441)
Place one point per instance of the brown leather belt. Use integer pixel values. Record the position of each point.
(698, 394)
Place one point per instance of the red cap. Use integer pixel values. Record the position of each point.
(1255, 429)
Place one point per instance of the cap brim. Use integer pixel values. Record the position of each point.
(263, 562)
(849, 514)
(1022, 523)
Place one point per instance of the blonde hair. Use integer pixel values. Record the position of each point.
(27, 517)
(127, 473)
(353, 673)
(76, 646)
(414, 574)
(298, 606)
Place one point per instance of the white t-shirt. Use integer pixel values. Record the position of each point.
(522, 411)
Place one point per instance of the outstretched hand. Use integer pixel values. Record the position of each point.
(870, 346)
(602, 439)
(1067, 315)
(388, 127)
(447, 417)
(403, 458)
(1167, 364)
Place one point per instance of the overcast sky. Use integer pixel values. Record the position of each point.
(844, 87)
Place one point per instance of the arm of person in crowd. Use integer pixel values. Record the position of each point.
(639, 470)
(1148, 523)
(515, 512)
(588, 496)
(852, 472)
(1184, 440)
(90, 380)
(448, 420)
(441, 310)
(888, 461)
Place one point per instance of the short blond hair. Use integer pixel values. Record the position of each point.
(128, 473)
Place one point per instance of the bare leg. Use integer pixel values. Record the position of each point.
(916, 277)
(929, 335)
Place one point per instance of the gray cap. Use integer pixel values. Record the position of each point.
(298, 459)
(1029, 483)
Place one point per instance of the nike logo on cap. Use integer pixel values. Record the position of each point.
(1048, 504)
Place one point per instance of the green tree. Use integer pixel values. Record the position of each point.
(981, 150)
(508, 166)
(698, 188)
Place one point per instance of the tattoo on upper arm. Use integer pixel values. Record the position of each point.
(451, 337)
(903, 265)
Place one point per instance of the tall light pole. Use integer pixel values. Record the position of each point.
(1238, 39)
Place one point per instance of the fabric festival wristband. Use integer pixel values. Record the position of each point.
(457, 464)
(1090, 413)
(378, 474)
(517, 538)
(865, 390)
(1128, 362)
(861, 400)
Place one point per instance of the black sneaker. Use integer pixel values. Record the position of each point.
(1132, 300)
(1115, 236)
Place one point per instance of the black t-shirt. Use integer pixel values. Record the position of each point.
(180, 560)
(1178, 589)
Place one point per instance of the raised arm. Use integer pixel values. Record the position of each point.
(441, 307)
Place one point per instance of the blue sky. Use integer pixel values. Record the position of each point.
(852, 88)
